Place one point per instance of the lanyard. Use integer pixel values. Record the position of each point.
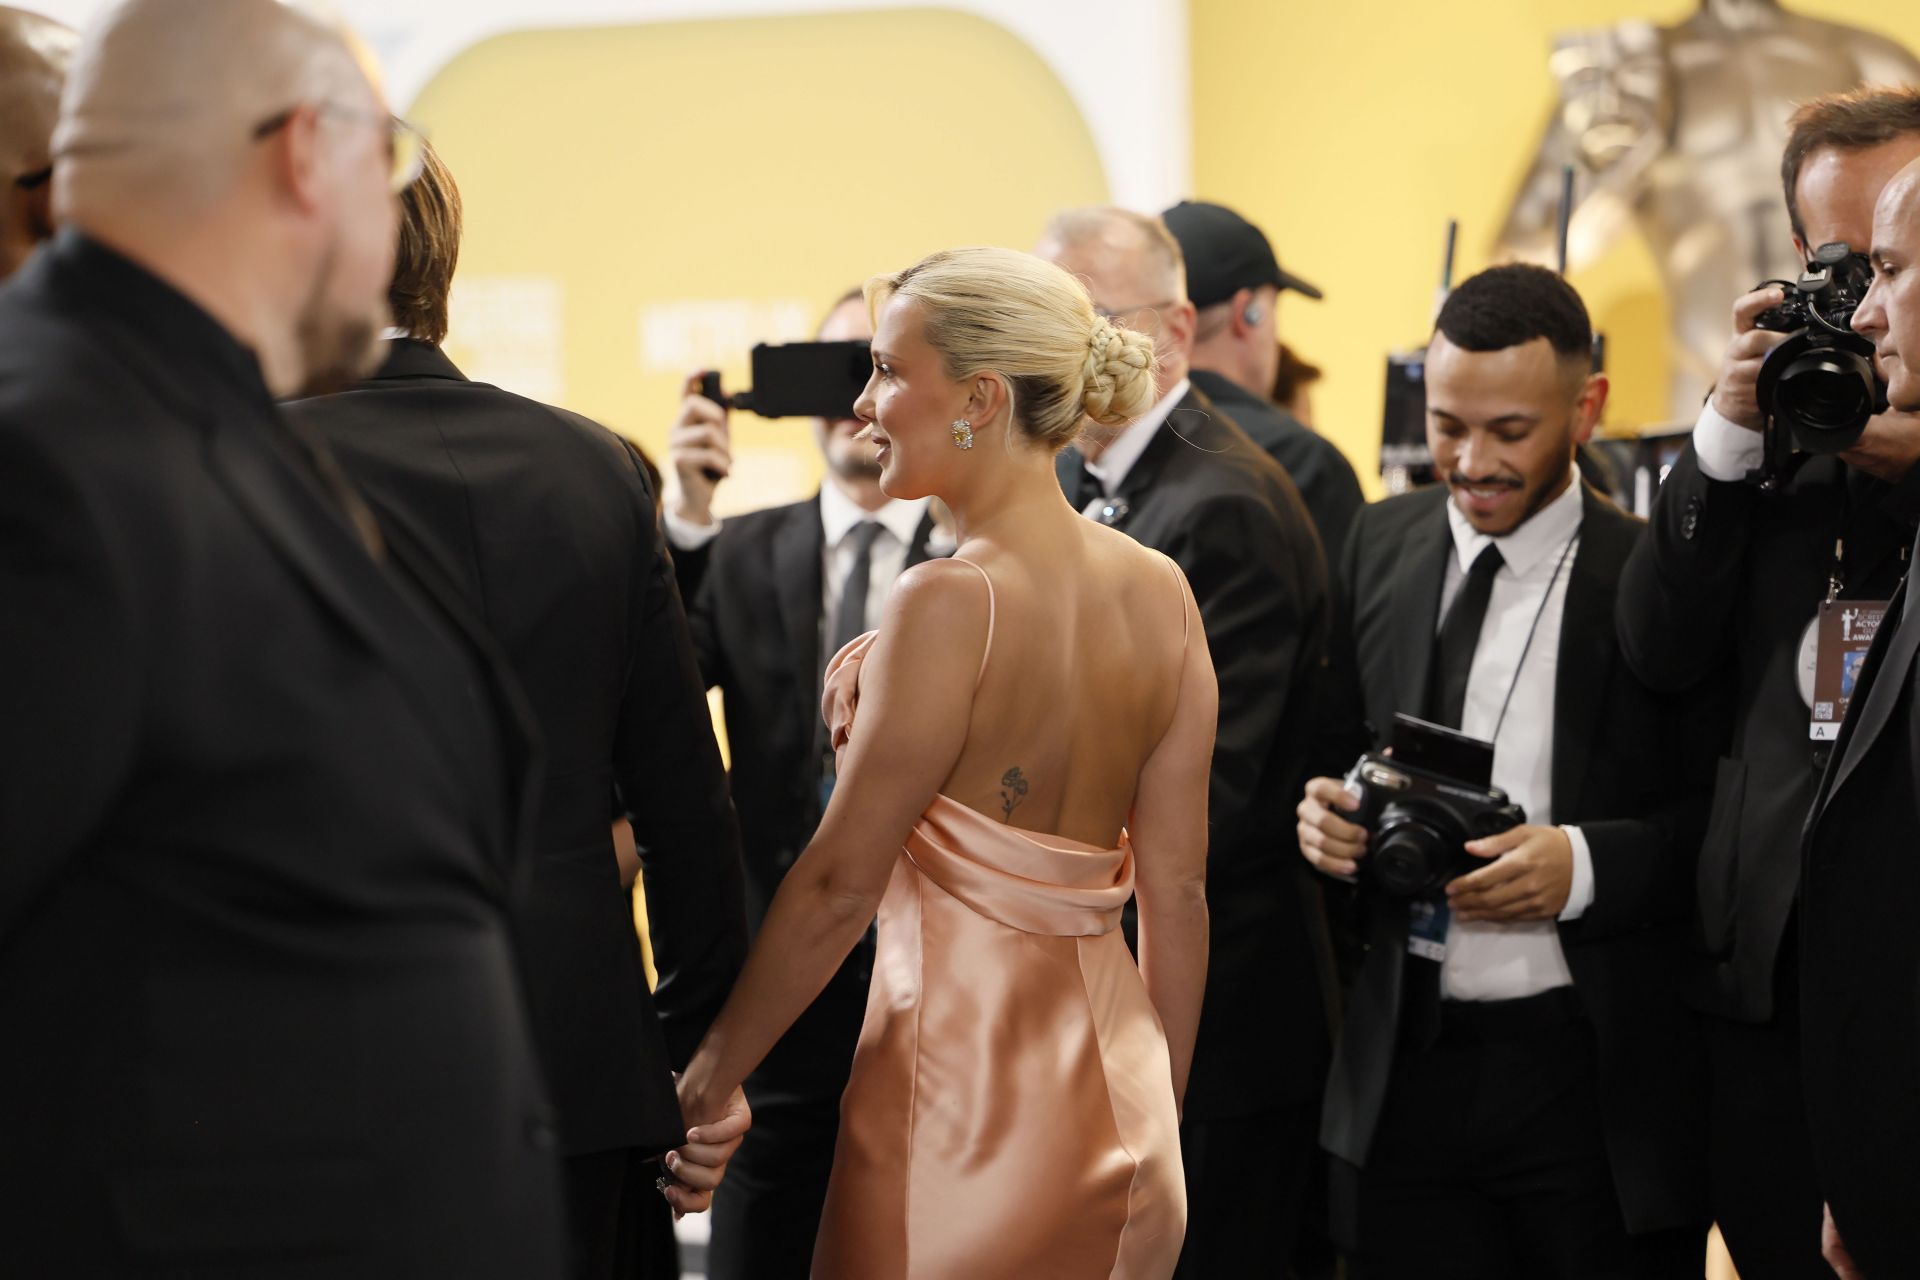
(1532, 631)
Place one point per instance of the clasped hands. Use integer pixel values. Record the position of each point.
(1529, 876)
(699, 1167)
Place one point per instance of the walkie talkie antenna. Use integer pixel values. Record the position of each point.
(1566, 218)
(1446, 266)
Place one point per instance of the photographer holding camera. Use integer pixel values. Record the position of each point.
(1757, 581)
(771, 596)
(1516, 1090)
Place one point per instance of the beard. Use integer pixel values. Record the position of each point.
(337, 350)
(850, 466)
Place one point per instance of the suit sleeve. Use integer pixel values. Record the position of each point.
(1255, 608)
(69, 705)
(1643, 867)
(1681, 585)
(674, 790)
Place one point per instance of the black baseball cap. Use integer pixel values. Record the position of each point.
(1225, 254)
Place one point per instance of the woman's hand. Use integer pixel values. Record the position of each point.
(714, 1135)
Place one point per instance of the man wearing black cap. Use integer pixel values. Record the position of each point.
(1235, 283)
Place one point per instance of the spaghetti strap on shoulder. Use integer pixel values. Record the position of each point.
(992, 615)
(1180, 588)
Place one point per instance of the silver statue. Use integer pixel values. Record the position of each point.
(1679, 131)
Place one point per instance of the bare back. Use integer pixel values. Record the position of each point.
(1088, 648)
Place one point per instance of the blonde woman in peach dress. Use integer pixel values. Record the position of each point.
(1022, 746)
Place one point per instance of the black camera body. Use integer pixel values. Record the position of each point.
(1421, 821)
(1819, 387)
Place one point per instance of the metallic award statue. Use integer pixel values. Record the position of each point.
(1679, 130)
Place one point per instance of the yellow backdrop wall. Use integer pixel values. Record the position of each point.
(646, 198)
(1352, 131)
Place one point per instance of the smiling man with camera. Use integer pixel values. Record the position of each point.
(1516, 1091)
(1759, 563)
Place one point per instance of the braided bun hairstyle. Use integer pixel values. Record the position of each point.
(1006, 312)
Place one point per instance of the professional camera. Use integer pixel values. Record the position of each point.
(1819, 386)
(1421, 816)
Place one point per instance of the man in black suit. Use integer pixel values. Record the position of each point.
(1858, 952)
(774, 594)
(260, 788)
(34, 53)
(1516, 1091)
(1186, 481)
(1235, 283)
(1732, 578)
(545, 523)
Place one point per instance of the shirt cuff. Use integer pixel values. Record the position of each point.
(1580, 895)
(1725, 450)
(684, 535)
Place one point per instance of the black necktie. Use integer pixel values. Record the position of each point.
(1459, 637)
(850, 618)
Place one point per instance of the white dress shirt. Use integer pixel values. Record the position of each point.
(899, 519)
(1117, 459)
(1725, 450)
(839, 515)
(1487, 960)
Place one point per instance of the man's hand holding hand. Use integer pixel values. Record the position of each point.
(1530, 878)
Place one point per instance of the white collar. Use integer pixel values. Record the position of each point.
(839, 514)
(1118, 458)
(1543, 534)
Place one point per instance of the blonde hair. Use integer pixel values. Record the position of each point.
(1009, 313)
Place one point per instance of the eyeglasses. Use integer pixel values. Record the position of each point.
(1122, 313)
(406, 145)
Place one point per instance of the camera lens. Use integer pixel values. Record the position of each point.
(1408, 853)
(1826, 397)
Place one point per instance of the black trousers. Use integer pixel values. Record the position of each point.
(622, 1225)
(1490, 1164)
(1760, 1155)
(1247, 1184)
(767, 1213)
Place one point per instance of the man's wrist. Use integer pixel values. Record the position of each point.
(1726, 450)
(686, 534)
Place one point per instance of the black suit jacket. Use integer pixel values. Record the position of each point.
(1860, 960)
(1206, 496)
(755, 594)
(1625, 771)
(548, 527)
(1726, 582)
(1314, 463)
(257, 837)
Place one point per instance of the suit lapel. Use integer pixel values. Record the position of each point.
(1415, 609)
(1586, 655)
(1883, 673)
(797, 586)
(317, 544)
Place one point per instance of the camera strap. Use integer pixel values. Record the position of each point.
(1546, 598)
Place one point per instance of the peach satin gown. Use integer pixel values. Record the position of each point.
(1010, 1112)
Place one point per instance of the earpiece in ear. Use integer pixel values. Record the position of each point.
(1251, 316)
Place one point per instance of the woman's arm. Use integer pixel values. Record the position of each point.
(1169, 833)
(916, 699)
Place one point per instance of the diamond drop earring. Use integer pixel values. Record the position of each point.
(962, 434)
